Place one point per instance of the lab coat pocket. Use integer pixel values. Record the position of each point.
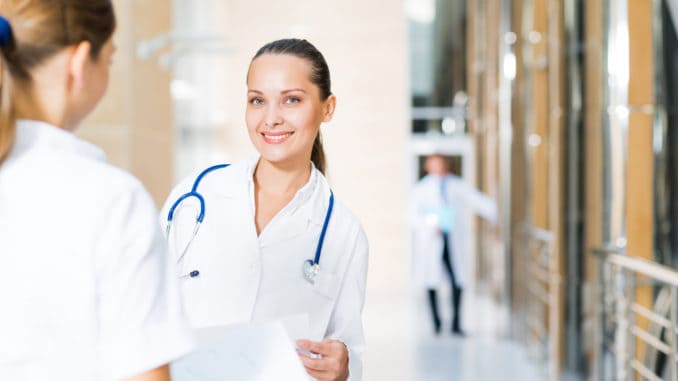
(323, 295)
(326, 284)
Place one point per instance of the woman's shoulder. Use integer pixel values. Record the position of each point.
(342, 213)
(114, 187)
(96, 187)
(354, 228)
(220, 175)
(99, 179)
(350, 238)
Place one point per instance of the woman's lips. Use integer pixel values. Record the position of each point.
(276, 137)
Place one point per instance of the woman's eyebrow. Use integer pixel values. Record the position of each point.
(292, 90)
(282, 92)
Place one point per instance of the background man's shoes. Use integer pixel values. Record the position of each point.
(437, 328)
(458, 332)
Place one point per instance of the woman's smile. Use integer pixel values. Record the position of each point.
(276, 137)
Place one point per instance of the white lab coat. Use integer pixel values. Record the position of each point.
(249, 278)
(427, 266)
(85, 290)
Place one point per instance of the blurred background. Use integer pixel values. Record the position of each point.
(563, 111)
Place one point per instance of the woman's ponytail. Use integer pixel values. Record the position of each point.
(7, 117)
(318, 154)
(7, 114)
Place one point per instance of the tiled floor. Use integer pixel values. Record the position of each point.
(472, 359)
(402, 347)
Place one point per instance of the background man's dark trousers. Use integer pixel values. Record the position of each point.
(456, 293)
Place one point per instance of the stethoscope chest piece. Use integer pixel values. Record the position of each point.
(310, 270)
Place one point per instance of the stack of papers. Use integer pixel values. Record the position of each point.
(256, 352)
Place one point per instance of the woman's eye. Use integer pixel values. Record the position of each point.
(256, 101)
(292, 100)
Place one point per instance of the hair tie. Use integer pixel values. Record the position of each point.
(5, 32)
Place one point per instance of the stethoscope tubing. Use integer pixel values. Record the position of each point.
(201, 216)
(194, 193)
(321, 240)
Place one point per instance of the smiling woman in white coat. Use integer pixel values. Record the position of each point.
(85, 289)
(274, 243)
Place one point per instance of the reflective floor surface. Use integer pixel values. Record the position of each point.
(403, 347)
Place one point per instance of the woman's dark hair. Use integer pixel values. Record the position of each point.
(32, 32)
(320, 76)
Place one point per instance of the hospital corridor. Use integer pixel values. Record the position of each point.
(377, 190)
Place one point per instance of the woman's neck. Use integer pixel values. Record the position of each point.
(279, 179)
(274, 187)
(46, 97)
(35, 105)
(43, 117)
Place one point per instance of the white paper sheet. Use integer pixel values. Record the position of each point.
(296, 326)
(253, 352)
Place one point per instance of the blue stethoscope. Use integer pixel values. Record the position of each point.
(310, 267)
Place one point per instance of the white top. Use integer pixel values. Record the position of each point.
(247, 278)
(462, 200)
(85, 289)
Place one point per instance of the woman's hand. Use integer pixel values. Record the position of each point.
(332, 366)
(159, 374)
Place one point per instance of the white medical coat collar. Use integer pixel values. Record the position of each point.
(33, 134)
(438, 177)
(316, 182)
(433, 179)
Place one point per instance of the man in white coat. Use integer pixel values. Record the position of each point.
(440, 208)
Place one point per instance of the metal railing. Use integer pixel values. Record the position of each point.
(637, 319)
(541, 287)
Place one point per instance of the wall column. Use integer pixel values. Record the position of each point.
(134, 121)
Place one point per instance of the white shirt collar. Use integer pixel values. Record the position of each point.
(33, 134)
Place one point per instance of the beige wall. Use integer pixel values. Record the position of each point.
(133, 122)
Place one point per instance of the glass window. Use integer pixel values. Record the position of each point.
(437, 37)
(667, 175)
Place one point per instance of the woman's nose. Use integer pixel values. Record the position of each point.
(273, 117)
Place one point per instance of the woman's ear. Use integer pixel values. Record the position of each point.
(328, 108)
(77, 66)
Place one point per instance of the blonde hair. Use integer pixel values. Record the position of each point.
(38, 29)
